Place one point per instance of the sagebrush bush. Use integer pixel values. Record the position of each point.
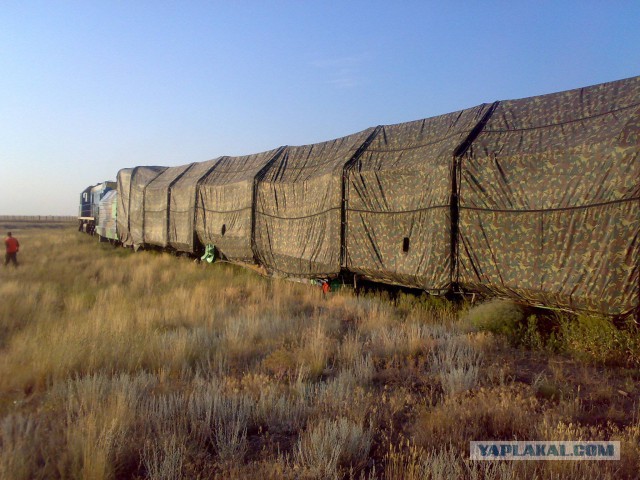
(282, 411)
(231, 419)
(331, 447)
(163, 458)
(457, 363)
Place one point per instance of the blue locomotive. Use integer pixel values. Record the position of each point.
(89, 209)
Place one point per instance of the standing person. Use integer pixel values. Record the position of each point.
(12, 247)
(326, 288)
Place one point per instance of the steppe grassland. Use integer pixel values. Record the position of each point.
(123, 365)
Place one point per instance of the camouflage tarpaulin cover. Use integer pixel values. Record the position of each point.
(182, 206)
(299, 208)
(156, 206)
(122, 218)
(537, 199)
(107, 218)
(224, 205)
(550, 200)
(398, 196)
(140, 178)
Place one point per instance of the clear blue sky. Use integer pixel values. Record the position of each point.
(89, 87)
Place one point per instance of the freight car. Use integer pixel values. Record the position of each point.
(537, 199)
(107, 211)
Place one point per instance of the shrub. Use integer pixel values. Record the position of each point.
(230, 433)
(281, 412)
(597, 339)
(315, 353)
(281, 363)
(164, 458)
(332, 445)
(341, 396)
(531, 336)
(506, 318)
(458, 364)
(425, 308)
(498, 316)
(221, 419)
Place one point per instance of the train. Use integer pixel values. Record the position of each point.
(89, 208)
(534, 199)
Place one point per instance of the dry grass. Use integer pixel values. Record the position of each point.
(122, 365)
(329, 448)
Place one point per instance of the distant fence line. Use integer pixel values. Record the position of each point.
(38, 218)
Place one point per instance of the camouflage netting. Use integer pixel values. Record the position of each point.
(298, 212)
(182, 203)
(123, 180)
(398, 196)
(537, 199)
(156, 206)
(140, 178)
(107, 216)
(550, 200)
(224, 205)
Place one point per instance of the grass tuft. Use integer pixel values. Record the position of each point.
(329, 448)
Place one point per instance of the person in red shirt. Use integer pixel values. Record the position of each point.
(12, 247)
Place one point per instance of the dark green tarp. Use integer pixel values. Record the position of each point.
(537, 199)
(123, 180)
(156, 205)
(299, 208)
(182, 203)
(550, 200)
(398, 201)
(224, 205)
(140, 178)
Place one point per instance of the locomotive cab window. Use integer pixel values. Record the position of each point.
(405, 245)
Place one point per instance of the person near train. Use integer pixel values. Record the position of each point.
(12, 247)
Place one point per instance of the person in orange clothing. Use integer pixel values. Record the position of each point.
(12, 247)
